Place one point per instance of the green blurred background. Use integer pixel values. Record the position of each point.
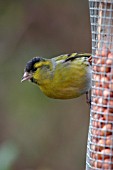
(38, 133)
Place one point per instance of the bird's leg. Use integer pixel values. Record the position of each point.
(90, 60)
(88, 98)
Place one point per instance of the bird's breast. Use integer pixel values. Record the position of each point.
(67, 82)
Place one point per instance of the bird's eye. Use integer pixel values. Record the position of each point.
(34, 69)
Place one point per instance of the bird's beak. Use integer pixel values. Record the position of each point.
(26, 76)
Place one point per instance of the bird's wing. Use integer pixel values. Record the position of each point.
(71, 57)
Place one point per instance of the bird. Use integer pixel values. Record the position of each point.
(66, 76)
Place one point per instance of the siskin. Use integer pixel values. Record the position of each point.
(63, 77)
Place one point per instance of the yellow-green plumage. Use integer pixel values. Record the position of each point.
(63, 77)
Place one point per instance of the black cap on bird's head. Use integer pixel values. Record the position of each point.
(30, 68)
(30, 64)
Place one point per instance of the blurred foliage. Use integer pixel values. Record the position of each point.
(49, 134)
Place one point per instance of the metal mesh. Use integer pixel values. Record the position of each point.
(100, 137)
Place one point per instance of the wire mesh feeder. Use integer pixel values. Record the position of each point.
(100, 137)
